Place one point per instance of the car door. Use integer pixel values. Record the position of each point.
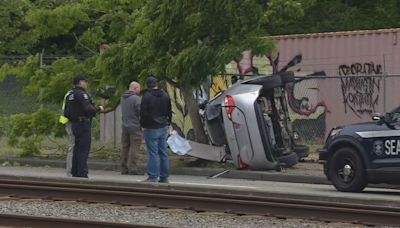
(386, 144)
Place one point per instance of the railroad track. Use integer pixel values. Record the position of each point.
(202, 201)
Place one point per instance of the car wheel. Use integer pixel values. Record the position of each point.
(346, 171)
(301, 151)
(288, 160)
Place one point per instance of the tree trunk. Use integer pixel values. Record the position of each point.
(193, 109)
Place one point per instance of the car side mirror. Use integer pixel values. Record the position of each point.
(376, 116)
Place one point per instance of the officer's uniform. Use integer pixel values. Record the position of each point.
(64, 119)
(81, 112)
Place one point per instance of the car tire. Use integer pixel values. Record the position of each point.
(301, 151)
(288, 160)
(346, 170)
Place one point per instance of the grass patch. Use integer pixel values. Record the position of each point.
(313, 146)
(6, 150)
(57, 148)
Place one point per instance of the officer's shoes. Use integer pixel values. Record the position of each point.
(80, 176)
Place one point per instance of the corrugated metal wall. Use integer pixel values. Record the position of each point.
(352, 54)
(327, 51)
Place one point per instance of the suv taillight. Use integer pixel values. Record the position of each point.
(230, 106)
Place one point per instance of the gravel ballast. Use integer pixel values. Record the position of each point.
(149, 215)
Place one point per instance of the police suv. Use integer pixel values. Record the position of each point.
(358, 154)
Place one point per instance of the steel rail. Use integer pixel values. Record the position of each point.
(50, 222)
(203, 201)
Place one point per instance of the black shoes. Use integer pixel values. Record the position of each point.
(150, 180)
(154, 180)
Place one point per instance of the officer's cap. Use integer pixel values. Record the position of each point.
(151, 82)
(79, 78)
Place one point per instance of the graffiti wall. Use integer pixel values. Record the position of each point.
(360, 94)
(350, 68)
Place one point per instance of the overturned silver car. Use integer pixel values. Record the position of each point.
(250, 122)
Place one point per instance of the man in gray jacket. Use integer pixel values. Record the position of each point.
(132, 134)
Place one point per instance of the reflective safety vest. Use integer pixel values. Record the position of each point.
(63, 119)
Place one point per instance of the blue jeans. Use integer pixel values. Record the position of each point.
(158, 162)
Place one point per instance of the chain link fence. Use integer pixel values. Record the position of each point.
(318, 104)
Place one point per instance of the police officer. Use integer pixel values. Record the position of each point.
(64, 119)
(81, 112)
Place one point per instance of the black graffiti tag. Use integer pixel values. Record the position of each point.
(360, 91)
(360, 69)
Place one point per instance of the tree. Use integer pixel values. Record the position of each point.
(344, 15)
(181, 41)
(186, 41)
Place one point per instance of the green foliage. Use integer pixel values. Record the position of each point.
(281, 13)
(184, 41)
(14, 38)
(29, 146)
(93, 38)
(12, 101)
(341, 15)
(54, 22)
(48, 83)
(187, 41)
(32, 128)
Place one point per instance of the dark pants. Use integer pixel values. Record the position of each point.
(83, 138)
(131, 140)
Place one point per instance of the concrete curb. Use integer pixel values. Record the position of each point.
(254, 175)
(192, 171)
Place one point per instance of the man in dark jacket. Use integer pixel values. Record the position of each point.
(81, 111)
(132, 135)
(155, 117)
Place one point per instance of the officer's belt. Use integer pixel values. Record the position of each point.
(81, 119)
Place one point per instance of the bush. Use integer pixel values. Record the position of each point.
(27, 131)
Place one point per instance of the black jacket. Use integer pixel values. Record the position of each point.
(155, 109)
(80, 105)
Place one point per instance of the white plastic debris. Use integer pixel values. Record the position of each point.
(177, 144)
